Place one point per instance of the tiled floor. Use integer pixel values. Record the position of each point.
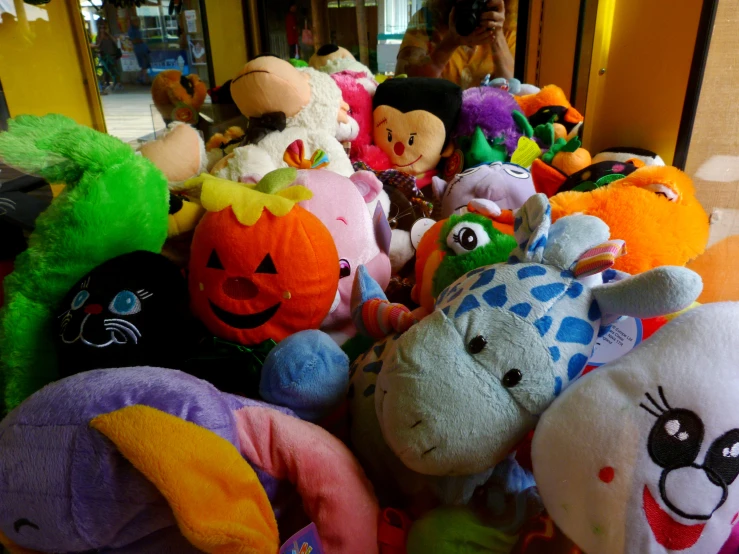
(128, 113)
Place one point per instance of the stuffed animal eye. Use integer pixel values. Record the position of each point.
(675, 439)
(390, 136)
(723, 458)
(662, 190)
(345, 268)
(80, 299)
(512, 378)
(125, 303)
(477, 344)
(214, 262)
(410, 140)
(266, 266)
(469, 171)
(467, 236)
(516, 171)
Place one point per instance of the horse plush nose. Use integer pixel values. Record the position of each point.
(399, 148)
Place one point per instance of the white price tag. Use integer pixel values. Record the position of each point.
(623, 336)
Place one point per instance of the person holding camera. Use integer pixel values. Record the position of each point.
(460, 40)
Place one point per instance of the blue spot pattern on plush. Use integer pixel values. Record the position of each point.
(576, 365)
(574, 329)
(557, 386)
(485, 278)
(545, 293)
(531, 271)
(554, 351)
(496, 297)
(574, 290)
(469, 303)
(543, 324)
(523, 309)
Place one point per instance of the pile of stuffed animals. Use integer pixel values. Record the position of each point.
(381, 319)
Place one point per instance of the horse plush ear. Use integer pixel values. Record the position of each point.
(660, 291)
(438, 186)
(368, 185)
(216, 497)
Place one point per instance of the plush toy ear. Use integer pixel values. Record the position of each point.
(570, 237)
(531, 229)
(661, 291)
(383, 232)
(438, 186)
(215, 495)
(523, 124)
(250, 178)
(368, 185)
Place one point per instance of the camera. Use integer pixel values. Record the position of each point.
(467, 15)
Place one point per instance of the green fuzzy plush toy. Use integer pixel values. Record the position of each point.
(470, 241)
(456, 531)
(114, 202)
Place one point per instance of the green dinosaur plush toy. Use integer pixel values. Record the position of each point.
(114, 202)
(470, 241)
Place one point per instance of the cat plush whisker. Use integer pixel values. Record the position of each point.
(122, 323)
(113, 329)
(131, 329)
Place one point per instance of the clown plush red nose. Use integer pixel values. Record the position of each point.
(399, 148)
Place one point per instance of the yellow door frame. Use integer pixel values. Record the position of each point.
(87, 65)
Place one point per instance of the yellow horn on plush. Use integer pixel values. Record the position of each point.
(14, 548)
(218, 502)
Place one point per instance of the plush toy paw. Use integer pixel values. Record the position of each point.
(307, 372)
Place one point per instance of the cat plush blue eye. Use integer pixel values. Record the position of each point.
(80, 299)
(125, 303)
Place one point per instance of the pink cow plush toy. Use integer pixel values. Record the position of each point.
(341, 204)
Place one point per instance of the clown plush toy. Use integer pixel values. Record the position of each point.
(413, 119)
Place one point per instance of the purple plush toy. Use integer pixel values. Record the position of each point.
(508, 185)
(146, 460)
(492, 110)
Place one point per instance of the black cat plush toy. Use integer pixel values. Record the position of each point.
(130, 311)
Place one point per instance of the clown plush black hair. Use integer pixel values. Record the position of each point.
(129, 311)
(413, 119)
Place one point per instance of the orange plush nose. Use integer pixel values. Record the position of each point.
(240, 288)
(399, 148)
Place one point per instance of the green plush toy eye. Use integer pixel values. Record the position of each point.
(470, 241)
(467, 236)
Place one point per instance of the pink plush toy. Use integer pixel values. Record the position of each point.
(357, 91)
(341, 204)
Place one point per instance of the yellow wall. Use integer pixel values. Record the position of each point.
(647, 50)
(227, 38)
(43, 67)
(558, 41)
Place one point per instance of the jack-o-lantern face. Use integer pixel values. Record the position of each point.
(264, 281)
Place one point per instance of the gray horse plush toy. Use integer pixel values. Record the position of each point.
(438, 406)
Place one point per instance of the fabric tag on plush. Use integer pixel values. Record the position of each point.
(305, 541)
(623, 336)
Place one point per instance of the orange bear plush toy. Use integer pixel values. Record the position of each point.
(654, 210)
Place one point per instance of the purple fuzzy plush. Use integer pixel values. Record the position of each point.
(490, 109)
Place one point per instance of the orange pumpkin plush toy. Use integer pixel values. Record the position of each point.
(261, 267)
(654, 209)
